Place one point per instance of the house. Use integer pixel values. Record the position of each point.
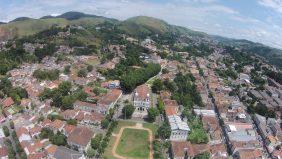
(69, 114)
(93, 118)
(3, 152)
(57, 125)
(141, 98)
(248, 154)
(179, 128)
(67, 129)
(86, 106)
(7, 102)
(50, 150)
(112, 84)
(108, 101)
(186, 150)
(179, 149)
(65, 153)
(79, 139)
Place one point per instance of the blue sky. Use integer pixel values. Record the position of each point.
(256, 20)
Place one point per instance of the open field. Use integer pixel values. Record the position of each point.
(134, 143)
(113, 150)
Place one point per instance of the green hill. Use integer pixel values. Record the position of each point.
(140, 27)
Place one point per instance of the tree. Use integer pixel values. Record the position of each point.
(12, 125)
(105, 123)
(67, 69)
(205, 155)
(67, 102)
(160, 105)
(46, 133)
(95, 142)
(82, 73)
(6, 131)
(198, 136)
(65, 88)
(89, 68)
(59, 139)
(164, 131)
(72, 122)
(127, 111)
(152, 114)
(90, 152)
(157, 86)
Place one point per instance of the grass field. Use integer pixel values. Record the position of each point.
(134, 144)
(108, 153)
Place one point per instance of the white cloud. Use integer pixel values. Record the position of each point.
(274, 4)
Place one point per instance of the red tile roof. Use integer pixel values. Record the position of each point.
(69, 128)
(3, 152)
(171, 110)
(81, 136)
(142, 92)
(110, 97)
(57, 124)
(7, 102)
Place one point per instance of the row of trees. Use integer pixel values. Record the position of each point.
(6, 89)
(46, 74)
(58, 138)
(62, 96)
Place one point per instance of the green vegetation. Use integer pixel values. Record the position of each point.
(164, 130)
(160, 148)
(134, 144)
(197, 135)
(152, 114)
(227, 73)
(127, 111)
(46, 74)
(132, 71)
(157, 86)
(47, 50)
(62, 96)
(6, 131)
(72, 122)
(16, 93)
(205, 155)
(58, 139)
(96, 141)
(82, 73)
(11, 151)
(186, 93)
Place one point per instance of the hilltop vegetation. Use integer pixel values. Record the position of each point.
(138, 27)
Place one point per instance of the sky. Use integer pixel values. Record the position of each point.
(255, 20)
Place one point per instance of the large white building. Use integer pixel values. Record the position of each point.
(179, 128)
(141, 98)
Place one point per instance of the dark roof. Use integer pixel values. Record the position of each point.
(65, 153)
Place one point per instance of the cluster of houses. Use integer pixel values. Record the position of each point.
(216, 145)
(271, 97)
(242, 139)
(28, 129)
(270, 131)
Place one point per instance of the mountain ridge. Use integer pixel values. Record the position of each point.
(135, 26)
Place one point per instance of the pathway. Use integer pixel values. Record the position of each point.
(118, 136)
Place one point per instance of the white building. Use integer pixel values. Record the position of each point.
(141, 98)
(179, 128)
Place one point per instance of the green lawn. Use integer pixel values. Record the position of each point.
(134, 144)
(123, 123)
